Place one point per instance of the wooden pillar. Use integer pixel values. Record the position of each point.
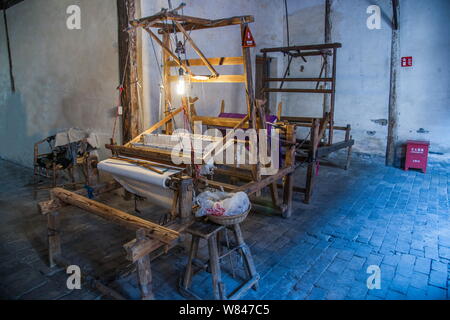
(54, 238)
(289, 179)
(128, 70)
(333, 98)
(144, 270)
(312, 166)
(348, 137)
(167, 83)
(8, 46)
(393, 112)
(248, 73)
(328, 30)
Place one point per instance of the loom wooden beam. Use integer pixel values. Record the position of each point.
(115, 215)
(307, 47)
(156, 126)
(254, 187)
(298, 90)
(169, 52)
(197, 50)
(52, 205)
(221, 61)
(221, 122)
(136, 249)
(213, 24)
(229, 78)
(298, 79)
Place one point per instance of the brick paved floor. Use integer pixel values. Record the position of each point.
(369, 215)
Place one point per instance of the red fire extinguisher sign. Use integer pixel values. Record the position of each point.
(248, 41)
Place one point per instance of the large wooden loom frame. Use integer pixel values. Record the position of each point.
(319, 144)
(153, 239)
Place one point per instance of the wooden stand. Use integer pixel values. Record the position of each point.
(210, 233)
(319, 144)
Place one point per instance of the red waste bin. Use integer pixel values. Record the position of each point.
(417, 155)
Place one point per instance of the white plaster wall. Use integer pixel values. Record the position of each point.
(64, 78)
(423, 93)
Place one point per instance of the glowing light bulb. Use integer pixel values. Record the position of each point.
(181, 84)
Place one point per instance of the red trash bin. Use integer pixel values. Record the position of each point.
(417, 155)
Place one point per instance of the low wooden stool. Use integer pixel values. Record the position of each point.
(210, 232)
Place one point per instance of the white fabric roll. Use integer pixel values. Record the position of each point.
(141, 181)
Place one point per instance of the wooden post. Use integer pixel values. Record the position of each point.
(393, 112)
(128, 70)
(348, 137)
(185, 198)
(167, 88)
(248, 73)
(54, 238)
(328, 29)
(144, 270)
(312, 166)
(333, 98)
(289, 179)
(8, 46)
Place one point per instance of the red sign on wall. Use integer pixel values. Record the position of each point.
(407, 61)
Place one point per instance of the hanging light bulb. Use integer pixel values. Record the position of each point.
(181, 84)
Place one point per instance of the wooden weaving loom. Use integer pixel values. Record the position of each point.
(151, 237)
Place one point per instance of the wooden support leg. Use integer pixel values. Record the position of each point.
(246, 254)
(310, 181)
(187, 280)
(144, 270)
(218, 286)
(54, 239)
(349, 151)
(274, 194)
(289, 179)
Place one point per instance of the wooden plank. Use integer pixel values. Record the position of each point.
(306, 47)
(221, 122)
(146, 153)
(218, 185)
(298, 90)
(137, 249)
(229, 78)
(46, 207)
(223, 61)
(115, 215)
(324, 151)
(298, 79)
(254, 187)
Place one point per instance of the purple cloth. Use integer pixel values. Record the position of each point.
(269, 119)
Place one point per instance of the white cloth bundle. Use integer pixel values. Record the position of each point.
(222, 203)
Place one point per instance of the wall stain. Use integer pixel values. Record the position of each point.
(381, 122)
